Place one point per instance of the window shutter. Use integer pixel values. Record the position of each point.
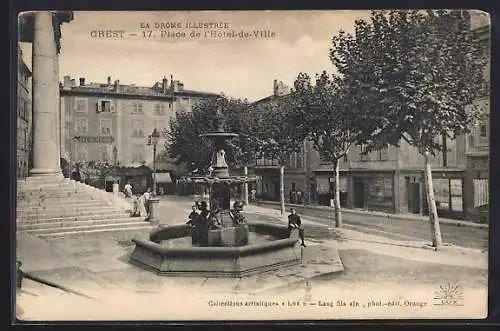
(99, 106)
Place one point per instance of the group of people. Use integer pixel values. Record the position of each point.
(200, 214)
(140, 201)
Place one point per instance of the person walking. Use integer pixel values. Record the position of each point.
(294, 222)
(147, 196)
(128, 190)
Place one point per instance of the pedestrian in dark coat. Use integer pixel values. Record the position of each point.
(294, 222)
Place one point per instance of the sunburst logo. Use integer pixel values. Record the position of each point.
(449, 295)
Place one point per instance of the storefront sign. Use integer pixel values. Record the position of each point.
(96, 139)
(322, 185)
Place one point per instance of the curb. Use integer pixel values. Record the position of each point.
(381, 214)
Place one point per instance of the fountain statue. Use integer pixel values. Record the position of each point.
(226, 232)
(220, 245)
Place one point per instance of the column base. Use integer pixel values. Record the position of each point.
(37, 172)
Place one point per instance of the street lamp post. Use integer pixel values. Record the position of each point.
(71, 154)
(155, 137)
(115, 156)
(153, 202)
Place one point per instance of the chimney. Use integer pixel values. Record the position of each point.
(164, 85)
(117, 86)
(73, 82)
(109, 80)
(67, 82)
(275, 87)
(176, 86)
(82, 81)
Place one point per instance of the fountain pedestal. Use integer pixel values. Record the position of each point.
(233, 236)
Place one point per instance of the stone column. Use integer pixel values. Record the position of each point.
(57, 104)
(45, 142)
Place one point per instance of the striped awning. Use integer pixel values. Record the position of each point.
(163, 178)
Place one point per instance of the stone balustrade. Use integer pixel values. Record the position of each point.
(108, 197)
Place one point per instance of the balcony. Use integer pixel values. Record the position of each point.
(267, 163)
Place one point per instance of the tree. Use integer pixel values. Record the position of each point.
(417, 74)
(276, 134)
(185, 145)
(327, 122)
(241, 120)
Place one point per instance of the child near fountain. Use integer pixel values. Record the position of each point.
(193, 216)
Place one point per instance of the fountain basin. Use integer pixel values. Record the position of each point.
(217, 261)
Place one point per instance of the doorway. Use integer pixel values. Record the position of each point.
(414, 198)
(359, 193)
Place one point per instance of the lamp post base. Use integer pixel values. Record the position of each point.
(153, 205)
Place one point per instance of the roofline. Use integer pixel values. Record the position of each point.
(112, 94)
(197, 93)
(271, 97)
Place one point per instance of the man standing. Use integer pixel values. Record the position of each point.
(192, 217)
(294, 222)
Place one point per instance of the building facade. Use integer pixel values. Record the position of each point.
(24, 118)
(111, 122)
(298, 174)
(391, 179)
(477, 148)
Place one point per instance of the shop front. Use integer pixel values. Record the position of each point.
(164, 183)
(448, 193)
(139, 177)
(373, 191)
(324, 188)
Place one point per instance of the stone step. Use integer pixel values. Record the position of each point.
(44, 206)
(56, 193)
(65, 234)
(44, 186)
(65, 213)
(90, 228)
(103, 215)
(43, 179)
(124, 219)
(69, 202)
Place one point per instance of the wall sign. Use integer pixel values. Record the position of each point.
(96, 139)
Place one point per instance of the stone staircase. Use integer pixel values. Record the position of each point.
(59, 207)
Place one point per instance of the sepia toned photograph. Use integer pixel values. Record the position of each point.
(252, 165)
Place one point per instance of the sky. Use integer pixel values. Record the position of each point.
(241, 68)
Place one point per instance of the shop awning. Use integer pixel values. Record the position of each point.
(112, 179)
(163, 178)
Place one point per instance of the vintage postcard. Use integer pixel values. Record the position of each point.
(252, 165)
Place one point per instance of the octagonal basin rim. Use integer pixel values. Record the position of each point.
(216, 251)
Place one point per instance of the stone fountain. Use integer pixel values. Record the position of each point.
(220, 248)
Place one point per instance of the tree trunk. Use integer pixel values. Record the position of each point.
(437, 240)
(245, 186)
(282, 189)
(336, 198)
